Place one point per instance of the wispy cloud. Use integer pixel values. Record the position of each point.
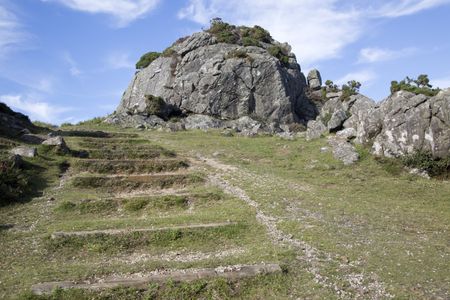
(372, 55)
(34, 108)
(124, 11)
(365, 77)
(317, 30)
(401, 8)
(73, 66)
(118, 60)
(11, 34)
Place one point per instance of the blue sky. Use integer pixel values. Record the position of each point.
(70, 60)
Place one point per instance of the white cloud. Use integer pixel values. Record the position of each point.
(365, 77)
(124, 11)
(442, 83)
(11, 34)
(317, 30)
(73, 66)
(35, 109)
(372, 55)
(407, 7)
(118, 60)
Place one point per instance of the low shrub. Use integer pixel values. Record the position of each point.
(434, 166)
(278, 52)
(421, 85)
(155, 105)
(147, 59)
(13, 182)
(93, 121)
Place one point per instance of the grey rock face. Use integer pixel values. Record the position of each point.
(202, 122)
(347, 133)
(204, 77)
(315, 130)
(336, 121)
(314, 80)
(24, 151)
(13, 124)
(343, 150)
(414, 123)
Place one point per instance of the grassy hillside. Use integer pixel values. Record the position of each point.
(369, 230)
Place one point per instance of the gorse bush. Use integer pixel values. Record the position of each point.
(434, 166)
(147, 59)
(13, 182)
(278, 52)
(223, 32)
(154, 105)
(421, 85)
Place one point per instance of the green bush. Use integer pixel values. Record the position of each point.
(350, 89)
(154, 105)
(147, 59)
(421, 85)
(13, 182)
(278, 52)
(168, 52)
(434, 166)
(93, 121)
(223, 32)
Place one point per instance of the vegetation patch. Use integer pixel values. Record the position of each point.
(280, 53)
(130, 167)
(13, 182)
(421, 85)
(424, 161)
(147, 59)
(163, 203)
(131, 241)
(135, 182)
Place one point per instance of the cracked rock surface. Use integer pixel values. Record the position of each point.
(206, 77)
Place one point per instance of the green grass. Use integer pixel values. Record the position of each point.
(374, 218)
(130, 167)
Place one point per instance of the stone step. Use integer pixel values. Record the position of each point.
(63, 234)
(235, 272)
(102, 166)
(134, 182)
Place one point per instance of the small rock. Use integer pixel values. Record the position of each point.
(421, 173)
(324, 149)
(58, 142)
(24, 151)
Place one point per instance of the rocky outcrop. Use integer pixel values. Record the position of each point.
(221, 80)
(14, 124)
(414, 123)
(401, 124)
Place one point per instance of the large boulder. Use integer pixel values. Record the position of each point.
(58, 143)
(414, 123)
(343, 150)
(222, 80)
(314, 80)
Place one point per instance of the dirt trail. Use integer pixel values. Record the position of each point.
(362, 287)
